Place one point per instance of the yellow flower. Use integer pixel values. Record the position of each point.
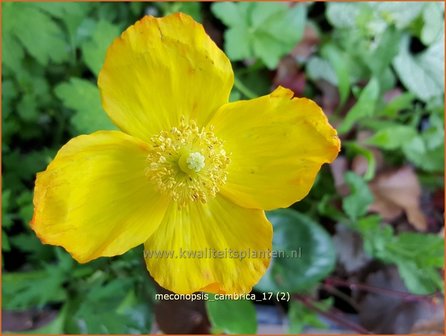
(189, 171)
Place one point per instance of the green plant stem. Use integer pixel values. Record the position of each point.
(244, 89)
(341, 295)
(384, 291)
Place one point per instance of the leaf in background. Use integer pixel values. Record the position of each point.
(383, 54)
(341, 67)
(393, 137)
(191, 8)
(399, 103)
(300, 317)
(356, 204)
(236, 43)
(23, 290)
(6, 206)
(94, 49)
(398, 191)
(12, 51)
(266, 30)
(6, 246)
(41, 37)
(417, 152)
(318, 68)
(397, 13)
(418, 256)
(109, 308)
(232, 316)
(426, 150)
(364, 107)
(422, 74)
(343, 14)
(82, 96)
(308, 253)
(72, 14)
(373, 17)
(433, 28)
(27, 108)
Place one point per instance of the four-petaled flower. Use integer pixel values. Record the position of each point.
(188, 170)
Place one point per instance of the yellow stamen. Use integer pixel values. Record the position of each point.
(188, 163)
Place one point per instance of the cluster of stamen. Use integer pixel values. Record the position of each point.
(187, 162)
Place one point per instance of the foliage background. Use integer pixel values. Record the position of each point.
(374, 218)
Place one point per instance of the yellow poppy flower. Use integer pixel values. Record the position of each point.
(189, 171)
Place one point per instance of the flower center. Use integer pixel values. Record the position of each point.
(187, 163)
(192, 162)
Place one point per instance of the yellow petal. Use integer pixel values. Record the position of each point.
(94, 200)
(219, 226)
(278, 144)
(161, 69)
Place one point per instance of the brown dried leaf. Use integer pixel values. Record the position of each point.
(397, 191)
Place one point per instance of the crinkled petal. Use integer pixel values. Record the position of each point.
(161, 69)
(277, 145)
(94, 199)
(212, 229)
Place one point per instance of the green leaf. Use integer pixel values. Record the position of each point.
(343, 14)
(397, 13)
(24, 290)
(364, 107)
(387, 49)
(12, 51)
(418, 256)
(423, 74)
(5, 242)
(40, 36)
(341, 67)
(318, 68)
(230, 13)
(82, 96)
(232, 316)
(6, 206)
(393, 137)
(372, 17)
(235, 43)
(110, 307)
(376, 237)
(300, 316)
(26, 208)
(94, 50)
(397, 104)
(419, 279)
(355, 205)
(433, 27)
(27, 108)
(302, 247)
(426, 150)
(264, 30)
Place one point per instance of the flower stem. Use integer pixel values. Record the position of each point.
(333, 290)
(400, 294)
(244, 89)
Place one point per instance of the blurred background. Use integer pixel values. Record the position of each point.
(370, 231)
